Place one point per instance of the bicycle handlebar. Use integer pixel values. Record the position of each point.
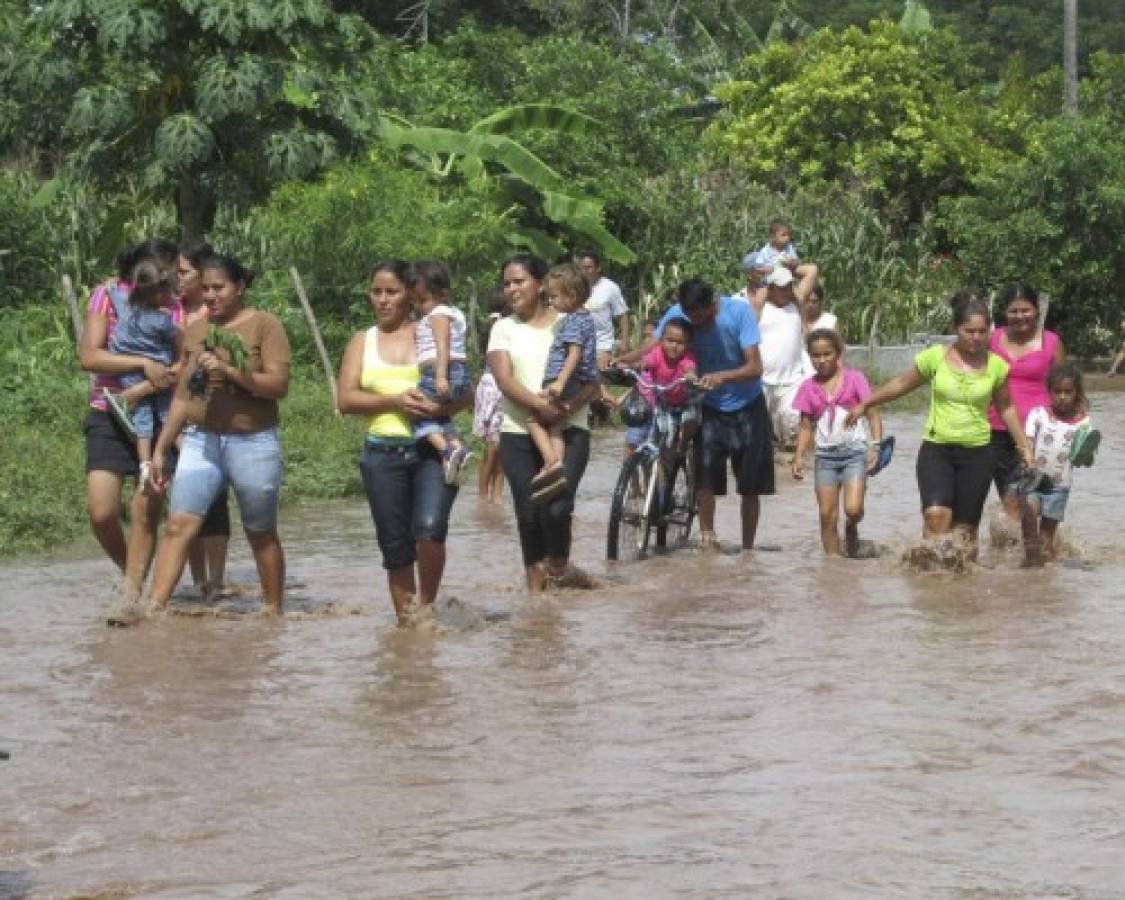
(691, 383)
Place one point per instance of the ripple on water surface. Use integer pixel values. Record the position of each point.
(766, 724)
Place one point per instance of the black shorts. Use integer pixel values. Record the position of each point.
(956, 478)
(743, 437)
(108, 447)
(1005, 462)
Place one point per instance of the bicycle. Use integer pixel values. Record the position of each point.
(656, 488)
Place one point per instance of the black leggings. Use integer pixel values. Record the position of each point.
(955, 477)
(544, 530)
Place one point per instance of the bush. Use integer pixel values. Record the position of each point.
(1053, 218)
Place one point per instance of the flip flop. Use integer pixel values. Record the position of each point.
(118, 410)
(1085, 446)
(886, 453)
(549, 491)
(546, 477)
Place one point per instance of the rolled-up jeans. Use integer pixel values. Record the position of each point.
(408, 496)
(250, 463)
(544, 530)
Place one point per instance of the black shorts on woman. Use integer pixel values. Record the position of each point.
(741, 436)
(110, 449)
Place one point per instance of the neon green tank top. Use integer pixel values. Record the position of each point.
(380, 378)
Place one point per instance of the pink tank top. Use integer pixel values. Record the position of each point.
(1027, 377)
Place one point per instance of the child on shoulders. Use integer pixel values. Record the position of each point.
(779, 250)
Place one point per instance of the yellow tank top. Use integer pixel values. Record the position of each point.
(380, 378)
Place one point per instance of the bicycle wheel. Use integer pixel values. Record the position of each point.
(678, 507)
(629, 515)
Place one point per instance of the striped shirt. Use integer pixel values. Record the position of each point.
(425, 344)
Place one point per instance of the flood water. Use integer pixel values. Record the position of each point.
(733, 725)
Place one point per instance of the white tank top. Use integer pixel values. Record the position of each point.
(781, 344)
(426, 346)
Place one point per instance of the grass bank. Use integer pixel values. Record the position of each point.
(42, 456)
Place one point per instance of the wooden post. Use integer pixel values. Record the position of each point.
(72, 305)
(317, 339)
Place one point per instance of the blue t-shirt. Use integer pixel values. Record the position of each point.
(576, 328)
(719, 346)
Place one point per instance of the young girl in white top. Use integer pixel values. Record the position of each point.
(442, 357)
(1052, 433)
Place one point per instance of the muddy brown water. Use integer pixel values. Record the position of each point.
(765, 725)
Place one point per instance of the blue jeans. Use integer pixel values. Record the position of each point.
(408, 496)
(250, 463)
(152, 411)
(459, 384)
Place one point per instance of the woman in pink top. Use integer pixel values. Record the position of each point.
(1029, 350)
(111, 455)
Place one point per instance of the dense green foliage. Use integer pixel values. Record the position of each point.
(876, 109)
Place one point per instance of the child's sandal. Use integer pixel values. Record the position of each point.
(546, 477)
(550, 490)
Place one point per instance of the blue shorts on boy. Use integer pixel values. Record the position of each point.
(459, 385)
(1051, 499)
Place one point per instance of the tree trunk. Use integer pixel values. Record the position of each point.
(1070, 57)
(195, 208)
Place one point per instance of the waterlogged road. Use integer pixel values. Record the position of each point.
(772, 725)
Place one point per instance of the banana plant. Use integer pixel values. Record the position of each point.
(445, 152)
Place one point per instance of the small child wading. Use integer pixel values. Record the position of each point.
(571, 363)
(844, 455)
(1054, 436)
(145, 328)
(442, 357)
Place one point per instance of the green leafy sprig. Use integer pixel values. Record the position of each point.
(219, 339)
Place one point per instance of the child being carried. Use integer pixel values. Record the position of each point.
(144, 328)
(442, 357)
(572, 363)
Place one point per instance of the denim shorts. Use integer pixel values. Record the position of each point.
(1051, 501)
(249, 463)
(840, 465)
(459, 385)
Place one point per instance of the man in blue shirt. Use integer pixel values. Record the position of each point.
(735, 422)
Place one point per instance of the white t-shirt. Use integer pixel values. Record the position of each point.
(605, 304)
(782, 359)
(1051, 440)
(528, 348)
(827, 320)
(426, 347)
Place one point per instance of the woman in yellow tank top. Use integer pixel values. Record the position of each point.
(406, 490)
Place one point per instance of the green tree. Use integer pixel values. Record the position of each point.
(1054, 218)
(206, 99)
(881, 110)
